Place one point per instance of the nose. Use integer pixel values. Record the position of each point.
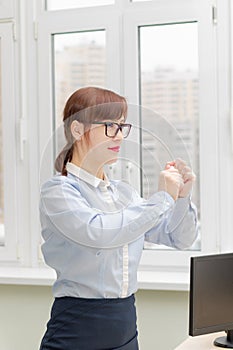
(119, 135)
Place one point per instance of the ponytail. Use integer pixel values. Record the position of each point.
(63, 158)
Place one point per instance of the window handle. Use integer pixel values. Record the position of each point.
(128, 171)
(231, 128)
(22, 136)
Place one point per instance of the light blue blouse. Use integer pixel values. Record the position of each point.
(94, 232)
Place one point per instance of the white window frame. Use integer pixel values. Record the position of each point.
(6, 9)
(177, 12)
(8, 252)
(225, 98)
(158, 269)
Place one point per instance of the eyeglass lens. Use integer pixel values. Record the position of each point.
(113, 129)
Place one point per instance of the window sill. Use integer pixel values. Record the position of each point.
(150, 280)
(27, 276)
(163, 280)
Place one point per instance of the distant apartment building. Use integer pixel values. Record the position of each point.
(171, 92)
(172, 130)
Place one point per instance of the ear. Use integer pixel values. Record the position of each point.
(77, 130)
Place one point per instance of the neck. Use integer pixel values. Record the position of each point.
(92, 168)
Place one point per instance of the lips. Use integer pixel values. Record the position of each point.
(115, 149)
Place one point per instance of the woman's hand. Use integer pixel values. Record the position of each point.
(187, 175)
(170, 180)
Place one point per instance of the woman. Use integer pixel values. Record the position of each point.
(94, 228)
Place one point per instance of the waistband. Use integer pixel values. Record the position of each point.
(96, 300)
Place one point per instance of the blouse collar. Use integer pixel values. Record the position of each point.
(86, 176)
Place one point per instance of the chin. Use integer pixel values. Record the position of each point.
(111, 161)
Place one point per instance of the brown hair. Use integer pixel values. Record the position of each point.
(87, 105)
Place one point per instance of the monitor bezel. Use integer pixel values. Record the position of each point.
(193, 329)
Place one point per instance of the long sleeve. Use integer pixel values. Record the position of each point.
(94, 233)
(179, 229)
(64, 210)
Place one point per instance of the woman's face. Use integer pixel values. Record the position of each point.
(101, 149)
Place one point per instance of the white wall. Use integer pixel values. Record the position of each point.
(162, 317)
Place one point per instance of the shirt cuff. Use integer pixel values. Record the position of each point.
(163, 199)
(163, 194)
(183, 203)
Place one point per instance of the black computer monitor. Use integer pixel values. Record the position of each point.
(211, 297)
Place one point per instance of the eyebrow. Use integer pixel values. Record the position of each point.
(120, 120)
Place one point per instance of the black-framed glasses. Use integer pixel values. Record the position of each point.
(112, 128)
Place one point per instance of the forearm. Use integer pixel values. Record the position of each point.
(180, 228)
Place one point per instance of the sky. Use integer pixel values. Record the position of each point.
(174, 45)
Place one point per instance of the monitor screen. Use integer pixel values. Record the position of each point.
(211, 296)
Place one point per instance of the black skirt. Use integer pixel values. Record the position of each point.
(91, 324)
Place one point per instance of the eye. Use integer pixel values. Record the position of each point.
(110, 125)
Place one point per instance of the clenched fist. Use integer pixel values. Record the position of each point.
(177, 179)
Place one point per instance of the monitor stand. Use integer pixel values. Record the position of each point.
(225, 342)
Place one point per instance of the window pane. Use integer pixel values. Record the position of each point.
(2, 234)
(68, 4)
(169, 88)
(79, 60)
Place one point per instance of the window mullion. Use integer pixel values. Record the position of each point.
(9, 249)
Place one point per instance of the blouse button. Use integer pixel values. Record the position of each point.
(98, 253)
